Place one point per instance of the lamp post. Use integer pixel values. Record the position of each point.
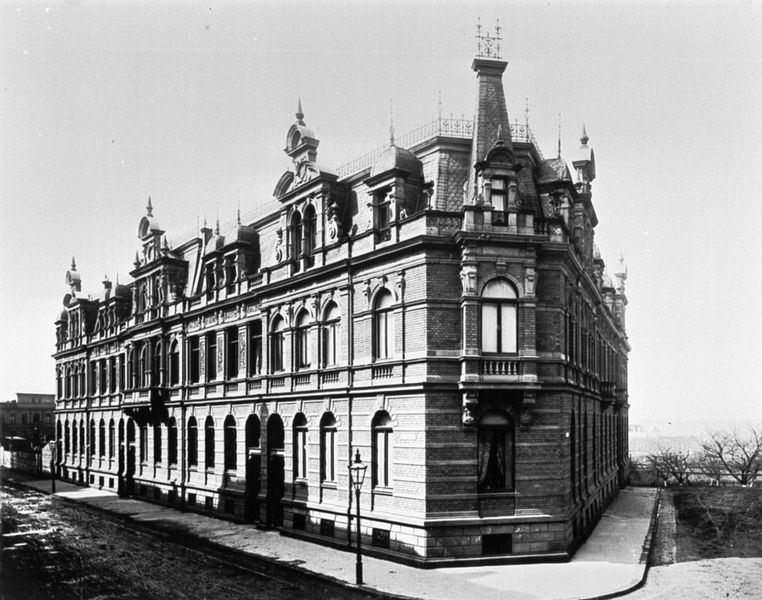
(52, 446)
(356, 477)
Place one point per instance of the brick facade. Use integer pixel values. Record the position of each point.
(442, 311)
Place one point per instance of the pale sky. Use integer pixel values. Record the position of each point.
(104, 103)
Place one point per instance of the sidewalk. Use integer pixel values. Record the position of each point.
(608, 563)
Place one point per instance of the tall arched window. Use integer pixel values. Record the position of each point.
(172, 441)
(67, 436)
(82, 377)
(91, 445)
(192, 442)
(144, 366)
(328, 447)
(295, 232)
(499, 329)
(103, 376)
(381, 471)
(302, 340)
(74, 438)
(157, 443)
(310, 233)
(383, 325)
(495, 460)
(111, 439)
(300, 446)
(75, 382)
(231, 443)
(276, 344)
(209, 442)
(174, 363)
(194, 359)
(82, 438)
(255, 348)
(156, 378)
(143, 443)
(330, 335)
(102, 439)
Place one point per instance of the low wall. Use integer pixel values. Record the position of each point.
(28, 462)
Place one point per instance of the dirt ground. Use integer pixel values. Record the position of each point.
(691, 536)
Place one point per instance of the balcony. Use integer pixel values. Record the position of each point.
(608, 390)
(500, 366)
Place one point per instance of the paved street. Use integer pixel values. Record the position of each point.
(55, 549)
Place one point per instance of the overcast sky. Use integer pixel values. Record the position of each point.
(104, 103)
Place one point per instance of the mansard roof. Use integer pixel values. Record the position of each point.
(553, 170)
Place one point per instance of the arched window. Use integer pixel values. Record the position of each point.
(192, 442)
(381, 470)
(157, 443)
(172, 441)
(144, 366)
(59, 384)
(499, 329)
(276, 344)
(331, 335)
(74, 447)
(383, 325)
(295, 232)
(174, 363)
(310, 233)
(328, 447)
(75, 382)
(103, 376)
(143, 443)
(102, 439)
(82, 438)
(300, 446)
(231, 443)
(111, 438)
(93, 382)
(302, 341)
(82, 375)
(255, 348)
(156, 378)
(209, 442)
(495, 460)
(67, 436)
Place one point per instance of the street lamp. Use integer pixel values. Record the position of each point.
(356, 477)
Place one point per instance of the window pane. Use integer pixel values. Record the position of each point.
(507, 328)
(489, 327)
(499, 288)
(389, 334)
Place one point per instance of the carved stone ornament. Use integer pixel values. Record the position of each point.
(279, 245)
(366, 291)
(530, 276)
(470, 413)
(468, 279)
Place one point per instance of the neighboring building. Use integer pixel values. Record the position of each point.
(27, 420)
(438, 305)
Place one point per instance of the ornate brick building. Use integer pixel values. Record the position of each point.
(438, 305)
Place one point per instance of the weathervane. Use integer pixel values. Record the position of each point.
(488, 46)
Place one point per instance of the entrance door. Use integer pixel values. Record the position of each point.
(253, 468)
(275, 471)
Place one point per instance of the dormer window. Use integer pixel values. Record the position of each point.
(231, 272)
(383, 214)
(499, 193)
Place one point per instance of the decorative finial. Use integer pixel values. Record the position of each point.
(238, 213)
(149, 208)
(488, 46)
(136, 262)
(299, 112)
(526, 115)
(499, 141)
(584, 137)
(73, 264)
(391, 122)
(439, 104)
(559, 135)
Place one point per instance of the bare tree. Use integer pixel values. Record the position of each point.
(739, 453)
(676, 465)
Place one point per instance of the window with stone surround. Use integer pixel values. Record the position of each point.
(276, 344)
(495, 460)
(499, 323)
(192, 442)
(302, 341)
(381, 463)
(231, 443)
(300, 446)
(330, 335)
(328, 447)
(383, 326)
(209, 442)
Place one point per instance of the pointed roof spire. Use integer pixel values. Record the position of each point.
(238, 213)
(299, 112)
(73, 264)
(526, 114)
(584, 137)
(559, 135)
(149, 207)
(217, 226)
